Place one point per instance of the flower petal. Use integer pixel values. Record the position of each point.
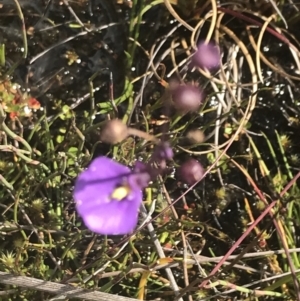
(99, 180)
(114, 218)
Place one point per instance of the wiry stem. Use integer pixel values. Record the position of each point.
(141, 134)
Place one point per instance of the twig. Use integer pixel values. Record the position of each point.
(56, 288)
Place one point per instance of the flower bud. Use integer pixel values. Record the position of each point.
(163, 151)
(195, 136)
(187, 98)
(114, 131)
(191, 171)
(207, 56)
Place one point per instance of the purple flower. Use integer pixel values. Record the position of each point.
(108, 196)
(207, 56)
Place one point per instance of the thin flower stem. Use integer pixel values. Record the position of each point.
(176, 16)
(159, 249)
(278, 226)
(135, 28)
(6, 183)
(232, 249)
(141, 134)
(184, 241)
(66, 2)
(201, 258)
(244, 290)
(24, 36)
(103, 267)
(241, 16)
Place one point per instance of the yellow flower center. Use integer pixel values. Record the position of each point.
(120, 193)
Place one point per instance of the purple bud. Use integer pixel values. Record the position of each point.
(187, 98)
(162, 151)
(114, 131)
(139, 180)
(142, 174)
(207, 56)
(191, 171)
